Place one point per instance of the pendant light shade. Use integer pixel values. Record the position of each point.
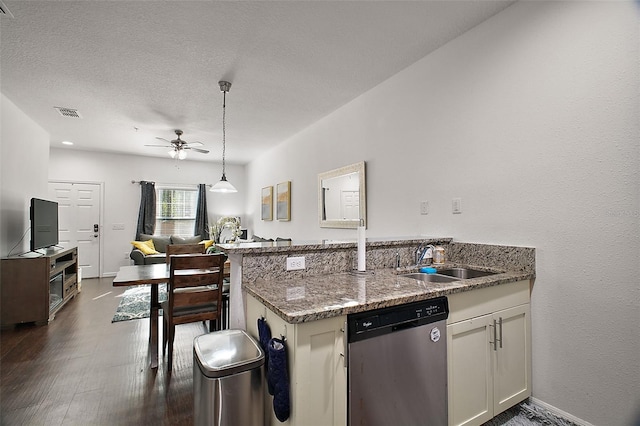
(223, 185)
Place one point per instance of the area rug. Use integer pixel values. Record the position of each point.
(528, 414)
(135, 302)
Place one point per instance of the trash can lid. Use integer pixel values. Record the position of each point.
(226, 352)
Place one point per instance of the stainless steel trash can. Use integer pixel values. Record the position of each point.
(228, 379)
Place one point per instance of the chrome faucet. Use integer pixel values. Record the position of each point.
(422, 251)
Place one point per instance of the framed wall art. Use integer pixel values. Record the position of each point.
(266, 203)
(283, 201)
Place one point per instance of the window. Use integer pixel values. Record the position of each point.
(176, 211)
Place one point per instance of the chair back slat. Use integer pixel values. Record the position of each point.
(197, 277)
(199, 297)
(184, 249)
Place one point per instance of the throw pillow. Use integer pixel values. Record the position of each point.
(146, 247)
(207, 243)
(160, 242)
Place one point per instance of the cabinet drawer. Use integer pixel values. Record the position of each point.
(474, 303)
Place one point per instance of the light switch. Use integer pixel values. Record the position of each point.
(456, 205)
(424, 207)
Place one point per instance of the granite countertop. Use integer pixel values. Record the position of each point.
(325, 296)
(287, 246)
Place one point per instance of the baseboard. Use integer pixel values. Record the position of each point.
(558, 412)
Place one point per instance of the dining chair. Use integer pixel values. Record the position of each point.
(184, 249)
(194, 294)
(226, 287)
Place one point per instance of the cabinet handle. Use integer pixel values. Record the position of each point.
(500, 322)
(495, 336)
(345, 345)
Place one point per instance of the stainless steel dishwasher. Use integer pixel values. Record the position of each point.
(397, 365)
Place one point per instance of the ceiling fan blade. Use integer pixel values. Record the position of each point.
(161, 146)
(196, 143)
(204, 151)
(163, 139)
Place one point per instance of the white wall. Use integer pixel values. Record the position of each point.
(532, 118)
(24, 154)
(121, 198)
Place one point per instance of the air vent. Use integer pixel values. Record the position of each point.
(68, 112)
(4, 11)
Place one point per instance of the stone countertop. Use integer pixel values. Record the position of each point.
(325, 296)
(287, 246)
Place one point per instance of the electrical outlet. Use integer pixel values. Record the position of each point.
(295, 263)
(424, 207)
(456, 205)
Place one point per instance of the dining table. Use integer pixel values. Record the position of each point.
(154, 274)
(143, 275)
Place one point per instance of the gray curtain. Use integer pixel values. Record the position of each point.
(147, 214)
(202, 225)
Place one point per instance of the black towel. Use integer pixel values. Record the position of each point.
(264, 335)
(278, 378)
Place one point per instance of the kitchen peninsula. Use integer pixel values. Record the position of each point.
(309, 308)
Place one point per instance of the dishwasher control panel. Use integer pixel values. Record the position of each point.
(372, 323)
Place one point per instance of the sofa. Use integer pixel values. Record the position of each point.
(160, 243)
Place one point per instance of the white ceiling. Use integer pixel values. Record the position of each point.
(155, 65)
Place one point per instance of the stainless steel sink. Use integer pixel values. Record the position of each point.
(464, 273)
(433, 278)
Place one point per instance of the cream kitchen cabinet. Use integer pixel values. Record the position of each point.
(317, 374)
(489, 352)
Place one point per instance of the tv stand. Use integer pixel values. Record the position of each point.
(34, 289)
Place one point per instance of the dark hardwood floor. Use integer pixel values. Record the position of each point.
(81, 369)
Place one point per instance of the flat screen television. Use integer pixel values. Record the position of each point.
(44, 223)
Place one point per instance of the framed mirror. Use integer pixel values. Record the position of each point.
(342, 197)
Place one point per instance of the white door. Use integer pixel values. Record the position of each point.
(350, 205)
(79, 222)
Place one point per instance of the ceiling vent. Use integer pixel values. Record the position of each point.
(4, 11)
(68, 112)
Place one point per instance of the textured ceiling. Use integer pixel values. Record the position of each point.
(155, 65)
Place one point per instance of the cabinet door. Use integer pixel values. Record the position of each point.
(512, 362)
(317, 375)
(320, 372)
(469, 367)
(253, 311)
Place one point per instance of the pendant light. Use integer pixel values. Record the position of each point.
(223, 185)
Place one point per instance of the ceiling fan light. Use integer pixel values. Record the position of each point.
(182, 154)
(172, 153)
(223, 186)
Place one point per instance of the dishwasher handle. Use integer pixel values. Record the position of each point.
(406, 325)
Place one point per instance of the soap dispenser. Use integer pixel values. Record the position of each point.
(438, 256)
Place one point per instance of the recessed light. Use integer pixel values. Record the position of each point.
(67, 143)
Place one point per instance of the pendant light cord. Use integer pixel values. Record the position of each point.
(224, 142)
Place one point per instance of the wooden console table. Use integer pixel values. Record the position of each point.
(34, 289)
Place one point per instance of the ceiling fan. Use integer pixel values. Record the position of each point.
(179, 147)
